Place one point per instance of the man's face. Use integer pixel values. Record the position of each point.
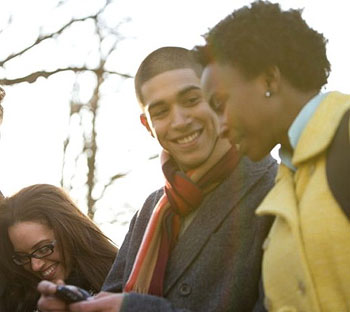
(246, 115)
(179, 117)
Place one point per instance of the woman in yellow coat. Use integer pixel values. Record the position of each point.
(265, 68)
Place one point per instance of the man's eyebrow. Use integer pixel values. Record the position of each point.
(187, 89)
(181, 93)
(155, 105)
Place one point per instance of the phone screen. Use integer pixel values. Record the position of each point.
(71, 293)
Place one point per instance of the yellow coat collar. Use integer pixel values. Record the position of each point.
(326, 119)
(284, 188)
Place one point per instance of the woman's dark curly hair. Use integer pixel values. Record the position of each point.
(257, 37)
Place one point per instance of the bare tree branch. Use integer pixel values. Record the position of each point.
(45, 74)
(110, 182)
(153, 157)
(82, 130)
(9, 22)
(45, 37)
(41, 38)
(92, 146)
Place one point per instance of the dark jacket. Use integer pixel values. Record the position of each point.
(2, 290)
(215, 265)
(22, 296)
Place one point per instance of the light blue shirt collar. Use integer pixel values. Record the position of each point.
(297, 128)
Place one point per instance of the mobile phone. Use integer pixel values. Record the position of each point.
(71, 293)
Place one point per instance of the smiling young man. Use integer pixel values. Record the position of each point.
(196, 244)
(173, 113)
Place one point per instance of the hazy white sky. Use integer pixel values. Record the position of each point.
(36, 115)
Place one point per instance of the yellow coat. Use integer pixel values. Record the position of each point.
(306, 263)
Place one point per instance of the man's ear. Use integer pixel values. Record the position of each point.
(145, 123)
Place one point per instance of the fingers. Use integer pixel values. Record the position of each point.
(103, 302)
(51, 304)
(48, 302)
(47, 288)
(102, 294)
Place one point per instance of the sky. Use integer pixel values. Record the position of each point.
(36, 115)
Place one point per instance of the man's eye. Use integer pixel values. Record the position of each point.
(218, 104)
(159, 113)
(193, 99)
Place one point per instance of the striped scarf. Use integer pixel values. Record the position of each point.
(183, 194)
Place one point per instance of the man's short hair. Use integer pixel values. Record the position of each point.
(257, 37)
(162, 60)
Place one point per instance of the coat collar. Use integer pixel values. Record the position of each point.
(284, 188)
(326, 118)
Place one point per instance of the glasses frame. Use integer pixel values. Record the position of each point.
(32, 255)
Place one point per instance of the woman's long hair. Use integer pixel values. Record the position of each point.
(82, 245)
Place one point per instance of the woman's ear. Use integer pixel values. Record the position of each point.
(272, 79)
(145, 123)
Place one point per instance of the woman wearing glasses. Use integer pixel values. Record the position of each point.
(43, 235)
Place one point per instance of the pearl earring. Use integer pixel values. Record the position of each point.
(267, 94)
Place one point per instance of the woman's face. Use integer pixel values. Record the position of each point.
(248, 117)
(35, 238)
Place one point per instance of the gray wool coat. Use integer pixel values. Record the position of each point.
(215, 265)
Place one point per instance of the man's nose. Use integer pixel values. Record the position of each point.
(180, 117)
(36, 264)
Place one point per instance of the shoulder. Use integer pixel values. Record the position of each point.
(338, 164)
(268, 165)
(153, 198)
(140, 220)
(149, 204)
(245, 187)
(261, 173)
(123, 263)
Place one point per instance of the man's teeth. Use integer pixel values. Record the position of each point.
(189, 138)
(47, 272)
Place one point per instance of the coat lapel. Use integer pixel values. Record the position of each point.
(284, 188)
(214, 209)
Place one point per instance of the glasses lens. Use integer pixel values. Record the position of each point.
(43, 251)
(20, 260)
(39, 253)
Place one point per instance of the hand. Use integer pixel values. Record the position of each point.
(102, 302)
(48, 301)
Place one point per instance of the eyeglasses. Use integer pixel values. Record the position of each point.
(42, 252)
